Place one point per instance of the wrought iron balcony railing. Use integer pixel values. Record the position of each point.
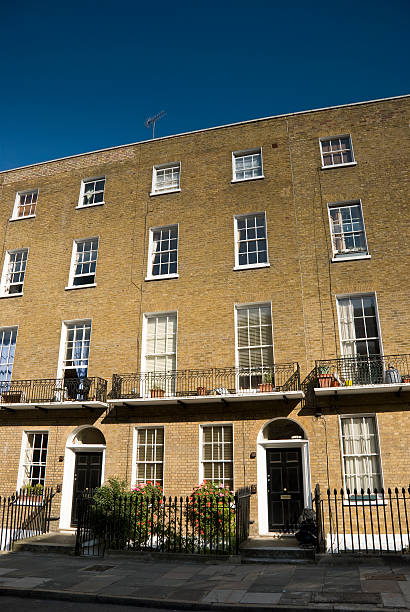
(372, 370)
(50, 390)
(211, 381)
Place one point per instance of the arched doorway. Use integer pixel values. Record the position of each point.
(283, 474)
(83, 469)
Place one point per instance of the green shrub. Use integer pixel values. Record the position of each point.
(211, 512)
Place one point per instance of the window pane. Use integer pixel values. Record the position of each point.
(149, 455)
(217, 454)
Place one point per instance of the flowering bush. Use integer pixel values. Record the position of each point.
(148, 489)
(211, 512)
(123, 516)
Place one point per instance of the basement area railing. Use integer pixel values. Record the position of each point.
(365, 521)
(201, 525)
(210, 381)
(50, 390)
(361, 370)
(24, 515)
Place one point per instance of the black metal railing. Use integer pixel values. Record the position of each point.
(24, 515)
(211, 381)
(47, 390)
(360, 370)
(365, 521)
(205, 525)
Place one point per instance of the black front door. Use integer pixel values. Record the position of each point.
(87, 476)
(285, 487)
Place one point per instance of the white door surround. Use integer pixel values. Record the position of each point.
(264, 443)
(72, 447)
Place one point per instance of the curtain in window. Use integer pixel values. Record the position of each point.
(160, 355)
(339, 243)
(8, 338)
(347, 328)
(361, 453)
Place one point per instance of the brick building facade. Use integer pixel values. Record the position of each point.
(250, 279)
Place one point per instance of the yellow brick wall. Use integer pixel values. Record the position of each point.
(301, 283)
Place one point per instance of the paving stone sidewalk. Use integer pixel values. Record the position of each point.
(372, 584)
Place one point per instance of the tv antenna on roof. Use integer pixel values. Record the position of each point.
(152, 121)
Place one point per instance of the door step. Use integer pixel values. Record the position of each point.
(280, 554)
(283, 549)
(62, 543)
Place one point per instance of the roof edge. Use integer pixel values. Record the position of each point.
(217, 127)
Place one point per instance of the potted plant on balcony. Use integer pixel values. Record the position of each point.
(324, 377)
(405, 378)
(32, 494)
(157, 391)
(266, 385)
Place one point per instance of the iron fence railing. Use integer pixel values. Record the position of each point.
(47, 390)
(361, 370)
(371, 521)
(211, 381)
(24, 515)
(205, 525)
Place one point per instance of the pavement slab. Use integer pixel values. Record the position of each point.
(393, 600)
(380, 586)
(224, 596)
(296, 598)
(94, 584)
(347, 597)
(187, 594)
(261, 598)
(7, 570)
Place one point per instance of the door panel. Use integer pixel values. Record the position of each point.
(285, 487)
(87, 477)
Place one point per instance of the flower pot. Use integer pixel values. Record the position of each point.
(335, 383)
(157, 392)
(265, 387)
(201, 390)
(406, 379)
(325, 380)
(12, 397)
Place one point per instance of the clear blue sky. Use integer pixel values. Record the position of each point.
(78, 76)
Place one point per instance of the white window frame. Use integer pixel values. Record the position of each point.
(154, 190)
(73, 263)
(350, 255)
(8, 363)
(358, 295)
(134, 454)
(351, 501)
(151, 254)
(236, 238)
(244, 153)
(63, 342)
(14, 216)
(243, 306)
(325, 139)
(201, 446)
(251, 305)
(5, 286)
(82, 191)
(24, 443)
(168, 382)
(150, 315)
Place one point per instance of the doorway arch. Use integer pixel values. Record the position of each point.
(85, 442)
(287, 436)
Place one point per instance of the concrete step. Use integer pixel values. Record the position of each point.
(48, 543)
(265, 551)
